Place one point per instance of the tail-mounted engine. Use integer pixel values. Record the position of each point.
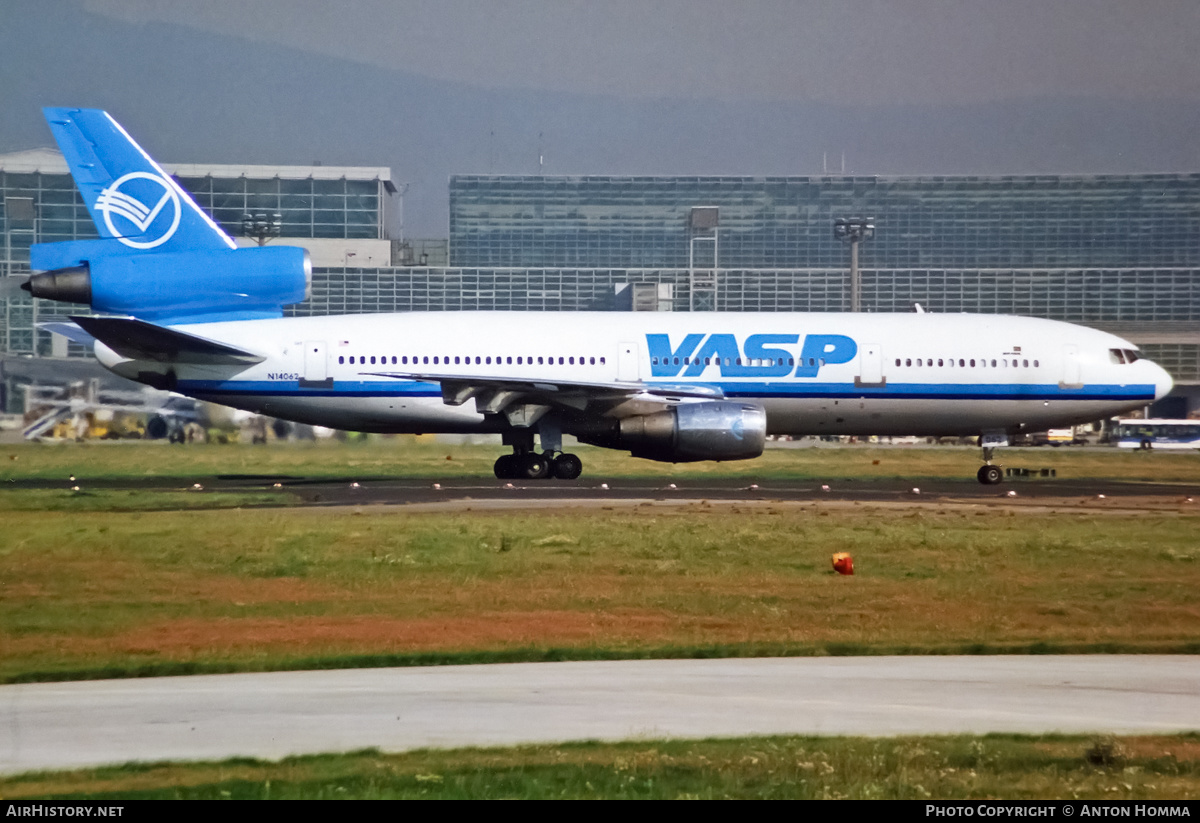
(172, 286)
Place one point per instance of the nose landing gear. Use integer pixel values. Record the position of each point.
(989, 474)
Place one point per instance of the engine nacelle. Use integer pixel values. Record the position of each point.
(249, 283)
(710, 430)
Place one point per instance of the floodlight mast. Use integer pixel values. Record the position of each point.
(262, 227)
(854, 230)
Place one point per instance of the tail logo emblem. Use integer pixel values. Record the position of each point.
(124, 204)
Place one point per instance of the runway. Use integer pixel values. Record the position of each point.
(484, 492)
(68, 725)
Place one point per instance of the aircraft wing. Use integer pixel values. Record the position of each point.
(501, 394)
(139, 340)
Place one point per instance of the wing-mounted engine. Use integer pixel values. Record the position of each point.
(687, 432)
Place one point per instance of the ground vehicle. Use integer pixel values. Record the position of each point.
(1056, 438)
(1157, 434)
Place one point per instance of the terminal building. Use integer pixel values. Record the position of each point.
(1121, 253)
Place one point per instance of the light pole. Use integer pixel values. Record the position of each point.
(854, 230)
(262, 227)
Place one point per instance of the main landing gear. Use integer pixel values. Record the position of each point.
(989, 474)
(526, 464)
(534, 466)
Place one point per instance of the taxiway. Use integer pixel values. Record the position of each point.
(272, 715)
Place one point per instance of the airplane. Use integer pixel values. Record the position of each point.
(182, 308)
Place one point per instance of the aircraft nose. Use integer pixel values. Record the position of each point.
(1163, 382)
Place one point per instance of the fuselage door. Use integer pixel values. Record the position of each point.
(627, 362)
(1072, 373)
(870, 366)
(315, 364)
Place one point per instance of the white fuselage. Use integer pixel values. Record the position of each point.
(886, 374)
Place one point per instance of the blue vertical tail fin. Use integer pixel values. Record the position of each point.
(160, 258)
(131, 199)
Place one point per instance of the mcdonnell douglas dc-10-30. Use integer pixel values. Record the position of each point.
(182, 308)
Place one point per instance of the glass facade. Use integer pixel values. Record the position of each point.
(34, 208)
(1103, 297)
(1142, 221)
(355, 291)
(308, 207)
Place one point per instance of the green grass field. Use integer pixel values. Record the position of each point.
(110, 583)
(994, 766)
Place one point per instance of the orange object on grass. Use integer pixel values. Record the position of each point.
(843, 563)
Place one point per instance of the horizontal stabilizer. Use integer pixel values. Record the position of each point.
(70, 331)
(139, 340)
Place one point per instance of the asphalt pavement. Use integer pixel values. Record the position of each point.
(272, 715)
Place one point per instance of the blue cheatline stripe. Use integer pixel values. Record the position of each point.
(741, 389)
(283, 388)
(942, 391)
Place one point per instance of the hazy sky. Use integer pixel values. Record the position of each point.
(847, 51)
(432, 88)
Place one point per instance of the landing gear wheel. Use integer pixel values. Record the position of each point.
(532, 466)
(990, 475)
(567, 467)
(505, 467)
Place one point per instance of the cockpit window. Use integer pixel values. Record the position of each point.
(1116, 355)
(1131, 356)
